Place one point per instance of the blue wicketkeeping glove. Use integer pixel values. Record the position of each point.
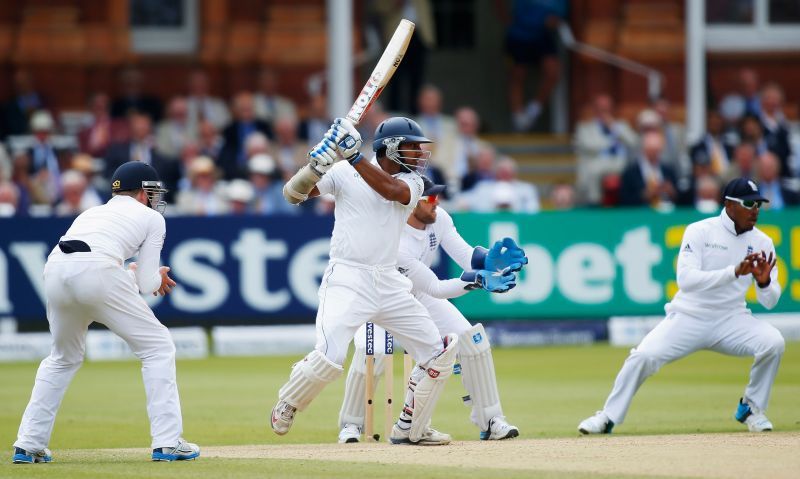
(494, 282)
(505, 254)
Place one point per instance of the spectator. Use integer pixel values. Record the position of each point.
(647, 181)
(201, 106)
(779, 193)
(602, 145)
(133, 98)
(9, 199)
(438, 127)
(531, 40)
(481, 168)
(747, 95)
(240, 196)
(406, 83)
(744, 164)
(73, 186)
(562, 196)
(753, 133)
(712, 147)
(45, 158)
(209, 141)
(674, 139)
(30, 188)
(775, 128)
(97, 189)
(268, 189)
(287, 148)
(505, 192)
(233, 157)
(708, 195)
(205, 196)
(467, 146)
(270, 105)
(140, 147)
(317, 120)
(104, 130)
(18, 110)
(5, 164)
(175, 130)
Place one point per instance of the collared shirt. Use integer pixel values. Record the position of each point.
(420, 248)
(710, 252)
(121, 229)
(367, 227)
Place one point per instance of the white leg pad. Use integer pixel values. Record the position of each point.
(478, 376)
(430, 387)
(308, 378)
(352, 411)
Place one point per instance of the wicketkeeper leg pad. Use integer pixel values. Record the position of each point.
(430, 387)
(296, 190)
(478, 375)
(352, 411)
(308, 378)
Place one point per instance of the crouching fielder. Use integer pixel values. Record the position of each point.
(427, 228)
(719, 259)
(361, 283)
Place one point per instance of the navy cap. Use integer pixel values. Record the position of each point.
(431, 188)
(744, 189)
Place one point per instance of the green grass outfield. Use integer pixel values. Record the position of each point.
(226, 401)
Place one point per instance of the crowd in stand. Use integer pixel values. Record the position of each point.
(652, 164)
(233, 157)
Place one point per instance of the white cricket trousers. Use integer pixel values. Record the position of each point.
(81, 288)
(678, 335)
(351, 295)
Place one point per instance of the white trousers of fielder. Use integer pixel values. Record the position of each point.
(678, 335)
(82, 288)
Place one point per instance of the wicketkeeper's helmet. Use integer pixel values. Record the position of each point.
(135, 175)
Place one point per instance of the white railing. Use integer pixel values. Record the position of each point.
(655, 79)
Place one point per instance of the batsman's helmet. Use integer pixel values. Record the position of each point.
(392, 133)
(135, 175)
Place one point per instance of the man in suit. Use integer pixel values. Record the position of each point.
(233, 157)
(712, 149)
(775, 128)
(141, 147)
(201, 106)
(647, 181)
(779, 191)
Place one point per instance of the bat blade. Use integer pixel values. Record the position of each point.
(387, 65)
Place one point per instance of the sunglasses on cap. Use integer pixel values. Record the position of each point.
(433, 199)
(747, 204)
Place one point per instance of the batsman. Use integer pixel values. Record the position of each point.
(362, 283)
(492, 270)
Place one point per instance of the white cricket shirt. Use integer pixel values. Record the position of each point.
(709, 254)
(418, 250)
(120, 229)
(367, 227)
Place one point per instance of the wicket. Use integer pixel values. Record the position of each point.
(388, 377)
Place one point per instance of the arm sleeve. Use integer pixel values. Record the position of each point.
(148, 278)
(424, 280)
(769, 296)
(691, 277)
(452, 242)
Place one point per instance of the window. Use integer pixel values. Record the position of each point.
(752, 25)
(163, 26)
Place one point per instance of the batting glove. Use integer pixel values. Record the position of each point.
(323, 155)
(494, 282)
(350, 144)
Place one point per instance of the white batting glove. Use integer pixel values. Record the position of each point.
(351, 142)
(323, 155)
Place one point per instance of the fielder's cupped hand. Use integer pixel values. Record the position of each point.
(505, 254)
(350, 144)
(748, 264)
(763, 268)
(167, 283)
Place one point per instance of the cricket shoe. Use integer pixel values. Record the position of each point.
(755, 420)
(499, 429)
(183, 451)
(350, 433)
(21, 456)
(431, 437)
(597, 424)
(282, 417)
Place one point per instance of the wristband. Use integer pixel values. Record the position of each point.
(356, 159)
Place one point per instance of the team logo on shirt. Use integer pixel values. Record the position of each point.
(432, 240)
(477, 338)
(687, 248)
(750, 249)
